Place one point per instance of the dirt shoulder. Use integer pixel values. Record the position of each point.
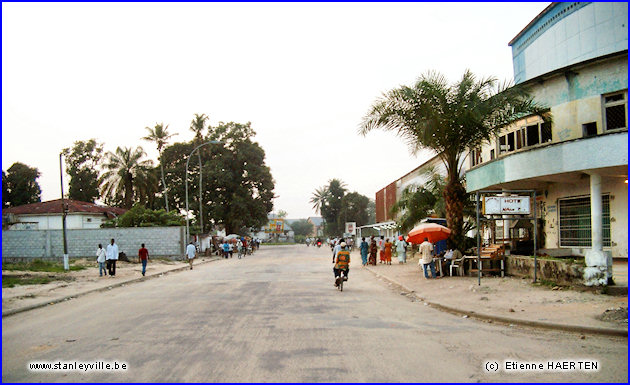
(74, 282)
(512, 297)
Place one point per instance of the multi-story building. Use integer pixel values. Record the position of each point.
(573, 58)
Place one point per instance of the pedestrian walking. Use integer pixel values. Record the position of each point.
(426, 252)
(112, 257)
(100, 258)
(143, 257)
(239, 248)
(388, 252)
(373, 251)
(226, 250)
(381, 248)
(231, 249)
(191, 253)
(364, 248)
(401, 250)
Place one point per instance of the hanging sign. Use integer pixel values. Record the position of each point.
(506, 205)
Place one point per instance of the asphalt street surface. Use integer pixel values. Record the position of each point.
(275, 316)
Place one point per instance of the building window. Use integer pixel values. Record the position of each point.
(575, 221)
(615, 111)
(475, 157)
(532, 135)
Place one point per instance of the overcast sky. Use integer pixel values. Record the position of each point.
(304, 74)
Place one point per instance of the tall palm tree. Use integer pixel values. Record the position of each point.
(198, 125)
(450, 120)
(124, 167)
(160, 136)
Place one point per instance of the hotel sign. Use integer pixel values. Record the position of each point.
(506, 205)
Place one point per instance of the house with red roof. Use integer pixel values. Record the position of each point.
(48, 215)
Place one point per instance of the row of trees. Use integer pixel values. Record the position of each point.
(229, 177)
(337, 207)
(451, 120)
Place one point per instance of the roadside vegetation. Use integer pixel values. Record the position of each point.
(41, 266)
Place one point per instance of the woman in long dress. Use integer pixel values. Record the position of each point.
(364, 247)
(401, 250)
(388, 252)
(373, 250)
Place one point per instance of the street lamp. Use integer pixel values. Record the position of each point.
(186, 183)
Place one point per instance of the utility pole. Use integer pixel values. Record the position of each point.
(64, 211)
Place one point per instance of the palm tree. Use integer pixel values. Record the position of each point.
(319, 198)
(450, 120)
(124, 167)
(198, 125)
(159, 135)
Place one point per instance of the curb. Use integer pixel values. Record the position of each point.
(109, 287)
(507, 320)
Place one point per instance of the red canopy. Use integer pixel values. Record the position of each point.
(432, 231)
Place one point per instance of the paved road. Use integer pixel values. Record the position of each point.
(275, 316)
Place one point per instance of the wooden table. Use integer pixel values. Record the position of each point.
(471, 258)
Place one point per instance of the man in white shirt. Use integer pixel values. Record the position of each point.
(112, 257)
(191, 252)
(426, 252)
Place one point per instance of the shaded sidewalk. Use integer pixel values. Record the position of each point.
(511, 300)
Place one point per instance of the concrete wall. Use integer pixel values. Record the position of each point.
(560, 272)
(160, 241)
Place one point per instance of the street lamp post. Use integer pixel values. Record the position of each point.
(186, 183)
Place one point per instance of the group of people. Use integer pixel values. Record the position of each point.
(242, 246)
(107, 258)
(370, 249)
(427, 254)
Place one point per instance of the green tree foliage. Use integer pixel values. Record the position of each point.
(331, 207)
(5, 190)
(450, 120)
(371, 211)
(82, 162)
(127, 176)
(337, 207)
(237, 189)
(160, 136)
(354, 208)
(282, 214)
(19, 183)
(139, 216)
(302, 227)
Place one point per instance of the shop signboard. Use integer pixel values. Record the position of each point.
(351, 227)
(502, 205)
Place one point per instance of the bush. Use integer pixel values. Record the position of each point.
(139, 216)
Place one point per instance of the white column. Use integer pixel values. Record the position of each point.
(596, 212)
(596, 271)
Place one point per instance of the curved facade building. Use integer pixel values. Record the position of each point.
(573, 58)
